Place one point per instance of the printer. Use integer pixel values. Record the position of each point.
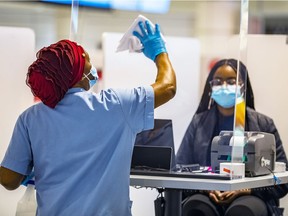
(259, 152)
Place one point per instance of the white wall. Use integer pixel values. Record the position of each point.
(16, 54)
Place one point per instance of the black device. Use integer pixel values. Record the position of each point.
(152, 158)
(154, 149)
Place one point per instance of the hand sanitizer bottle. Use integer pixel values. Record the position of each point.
(27, 205)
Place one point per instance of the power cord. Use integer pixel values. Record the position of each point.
(276, 179)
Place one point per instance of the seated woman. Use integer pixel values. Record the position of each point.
(214, 114)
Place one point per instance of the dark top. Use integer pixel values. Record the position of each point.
(196, 144)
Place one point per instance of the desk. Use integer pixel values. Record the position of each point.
(174, 186)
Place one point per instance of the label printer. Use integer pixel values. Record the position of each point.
(259, 152)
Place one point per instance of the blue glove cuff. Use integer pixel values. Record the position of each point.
(28, 180)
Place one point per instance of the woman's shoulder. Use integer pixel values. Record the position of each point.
(209, 112)
(257, 113)
(204, 117)
(258, 117)
(201, 115)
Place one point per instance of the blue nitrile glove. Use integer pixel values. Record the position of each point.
(29, 179)
(152, 41)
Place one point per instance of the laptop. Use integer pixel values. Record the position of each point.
(154, 154)
(154, 149)
(151, 158)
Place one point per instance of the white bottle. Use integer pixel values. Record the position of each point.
(27, 205)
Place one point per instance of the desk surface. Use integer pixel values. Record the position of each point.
(206, 184)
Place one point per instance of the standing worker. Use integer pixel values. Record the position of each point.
(80, 143)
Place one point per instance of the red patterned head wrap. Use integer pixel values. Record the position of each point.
(58, 67)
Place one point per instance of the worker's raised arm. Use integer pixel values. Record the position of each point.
(154, 48)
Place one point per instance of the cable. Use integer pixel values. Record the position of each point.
(276, 179)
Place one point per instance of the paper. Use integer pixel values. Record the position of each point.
(131, 42)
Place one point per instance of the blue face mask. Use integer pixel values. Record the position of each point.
(94, 73)
(225, 95)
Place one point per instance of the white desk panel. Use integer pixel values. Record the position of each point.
(206, 184)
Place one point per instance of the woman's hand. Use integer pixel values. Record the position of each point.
(226, 197)
(215, 196)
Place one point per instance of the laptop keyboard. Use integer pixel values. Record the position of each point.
(165, 173)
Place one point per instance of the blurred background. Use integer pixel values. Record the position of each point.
(212, 23)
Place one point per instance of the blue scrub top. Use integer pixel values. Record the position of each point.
(81, 150)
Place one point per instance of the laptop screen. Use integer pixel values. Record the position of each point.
(160, 136)
(151, 158)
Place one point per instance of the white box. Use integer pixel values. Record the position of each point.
(279, 167)
(235, 169)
